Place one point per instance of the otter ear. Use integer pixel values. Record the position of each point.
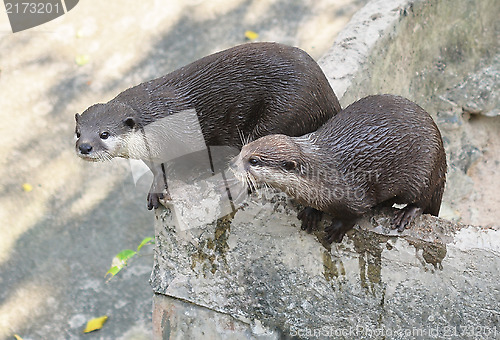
(77, 116)
(289, 165)
(130, 122)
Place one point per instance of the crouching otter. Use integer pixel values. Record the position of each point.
(241, 93)
(380, 150)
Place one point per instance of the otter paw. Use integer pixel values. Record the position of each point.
(310, 218)
(404, 216)
(154, 199)
(335, 232)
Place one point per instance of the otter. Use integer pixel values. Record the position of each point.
(380, 150)
(239, 94)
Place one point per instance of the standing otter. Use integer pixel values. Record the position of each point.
(244, 92)
(380, 150)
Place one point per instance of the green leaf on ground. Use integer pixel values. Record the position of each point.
(122, 258)
(147, 240)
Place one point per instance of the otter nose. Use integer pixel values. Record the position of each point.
(85, 148)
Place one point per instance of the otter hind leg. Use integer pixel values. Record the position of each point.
(404, 216)
(310, 218)
(336, 230)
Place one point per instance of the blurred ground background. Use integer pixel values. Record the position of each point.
(57, 240)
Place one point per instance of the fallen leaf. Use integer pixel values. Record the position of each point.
(95, 324)
(82, 59)
(147, 240)
(17, 337)
(122, 258)
(113, 270)
(118, 262)
(125, 255)
(27, 187)
(251, 35)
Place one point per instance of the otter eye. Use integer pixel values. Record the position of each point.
(130, 122)
(104, 135)
(253, 161)
(289, 165)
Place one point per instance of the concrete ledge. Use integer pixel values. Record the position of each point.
(277, 280)
(255, 274)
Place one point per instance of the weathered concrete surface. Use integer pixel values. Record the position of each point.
(262, 270)
(57, 241)
(438, 279)
(184, 320)
(478, 93)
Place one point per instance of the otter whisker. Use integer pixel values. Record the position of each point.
(267, 189)
(248, 139)
(238, 177)
(232, 180)
(243, 139)
(251, 183)
(105, 156)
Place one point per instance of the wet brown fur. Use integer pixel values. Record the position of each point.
(382, 149)
(239, 94)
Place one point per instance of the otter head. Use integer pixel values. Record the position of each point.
(102, 131)
(275, 160)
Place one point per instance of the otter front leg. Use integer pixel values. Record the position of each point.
(159, 188)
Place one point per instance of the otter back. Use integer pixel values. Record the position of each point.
(238, 94)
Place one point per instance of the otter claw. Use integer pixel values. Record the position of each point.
(404, 216)
(154, 199)
(336, 230)
(310, 218)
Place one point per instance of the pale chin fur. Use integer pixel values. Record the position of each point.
(133, 145)
(116, 147)
(88, 158)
